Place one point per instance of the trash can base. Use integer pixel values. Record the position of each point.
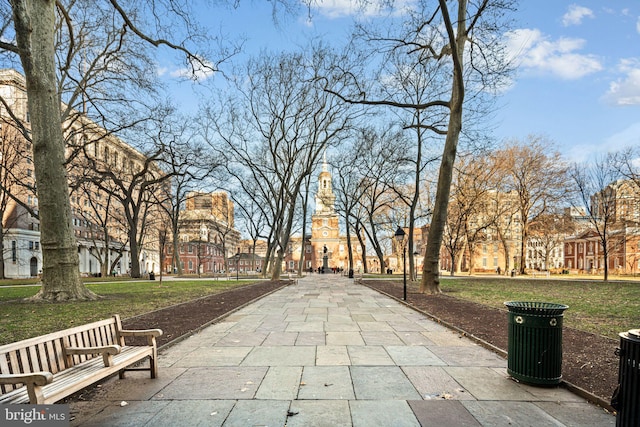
(540, 382)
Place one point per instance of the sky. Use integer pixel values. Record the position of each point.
(577, 81)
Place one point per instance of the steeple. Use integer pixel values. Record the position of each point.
(325, 199)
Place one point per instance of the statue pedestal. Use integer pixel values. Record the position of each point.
(325, 264)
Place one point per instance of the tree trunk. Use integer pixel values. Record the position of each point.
(2, 252)
(523, 247)
(175, 259)
(453, 264)
(277, 265)
(34, 22)
(430, 272)
(134, 250)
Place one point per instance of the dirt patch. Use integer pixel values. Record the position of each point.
(588, 362)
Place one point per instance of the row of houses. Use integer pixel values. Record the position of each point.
(575, 246)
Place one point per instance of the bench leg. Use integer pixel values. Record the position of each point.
(153, 364)
(35, 394)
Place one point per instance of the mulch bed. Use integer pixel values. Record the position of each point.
(588, 361)
(182, 319)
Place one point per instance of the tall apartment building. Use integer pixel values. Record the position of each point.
(207, 238)
(97, 217)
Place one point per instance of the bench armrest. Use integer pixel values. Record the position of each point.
(33, 381)
(151, 335)
(37, 378)
(106, 351)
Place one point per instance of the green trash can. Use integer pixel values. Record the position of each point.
(534, 348)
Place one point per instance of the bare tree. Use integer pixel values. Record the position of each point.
(539, 179)
(380, 158)
(349, 189)
(548, 233)
(253, 218)
(102, 220)
(138, 184)
(281, 128)
(451, 34)
(471, 212)
(188, 166)
(597, 188)
(16, 181)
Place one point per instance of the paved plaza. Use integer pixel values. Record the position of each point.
(329, 352)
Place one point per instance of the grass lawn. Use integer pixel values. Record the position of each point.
(594, 306)
(20, 320)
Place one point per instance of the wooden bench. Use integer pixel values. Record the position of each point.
(48, 368)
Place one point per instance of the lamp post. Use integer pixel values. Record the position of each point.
(237, 263)
(400, 239)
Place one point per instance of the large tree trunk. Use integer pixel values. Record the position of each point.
(34, 24)
(277, 265)
(430, 272)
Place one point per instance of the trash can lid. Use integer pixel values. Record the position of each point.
(536, 307)
(631, 335)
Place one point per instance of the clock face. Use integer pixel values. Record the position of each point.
(325, 233)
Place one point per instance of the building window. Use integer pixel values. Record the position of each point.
(14, 251)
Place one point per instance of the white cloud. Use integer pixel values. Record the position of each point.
(626, 90)
(198, 71)
(530, 50)
(575, 14)
(618, 141)
(625, 138)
